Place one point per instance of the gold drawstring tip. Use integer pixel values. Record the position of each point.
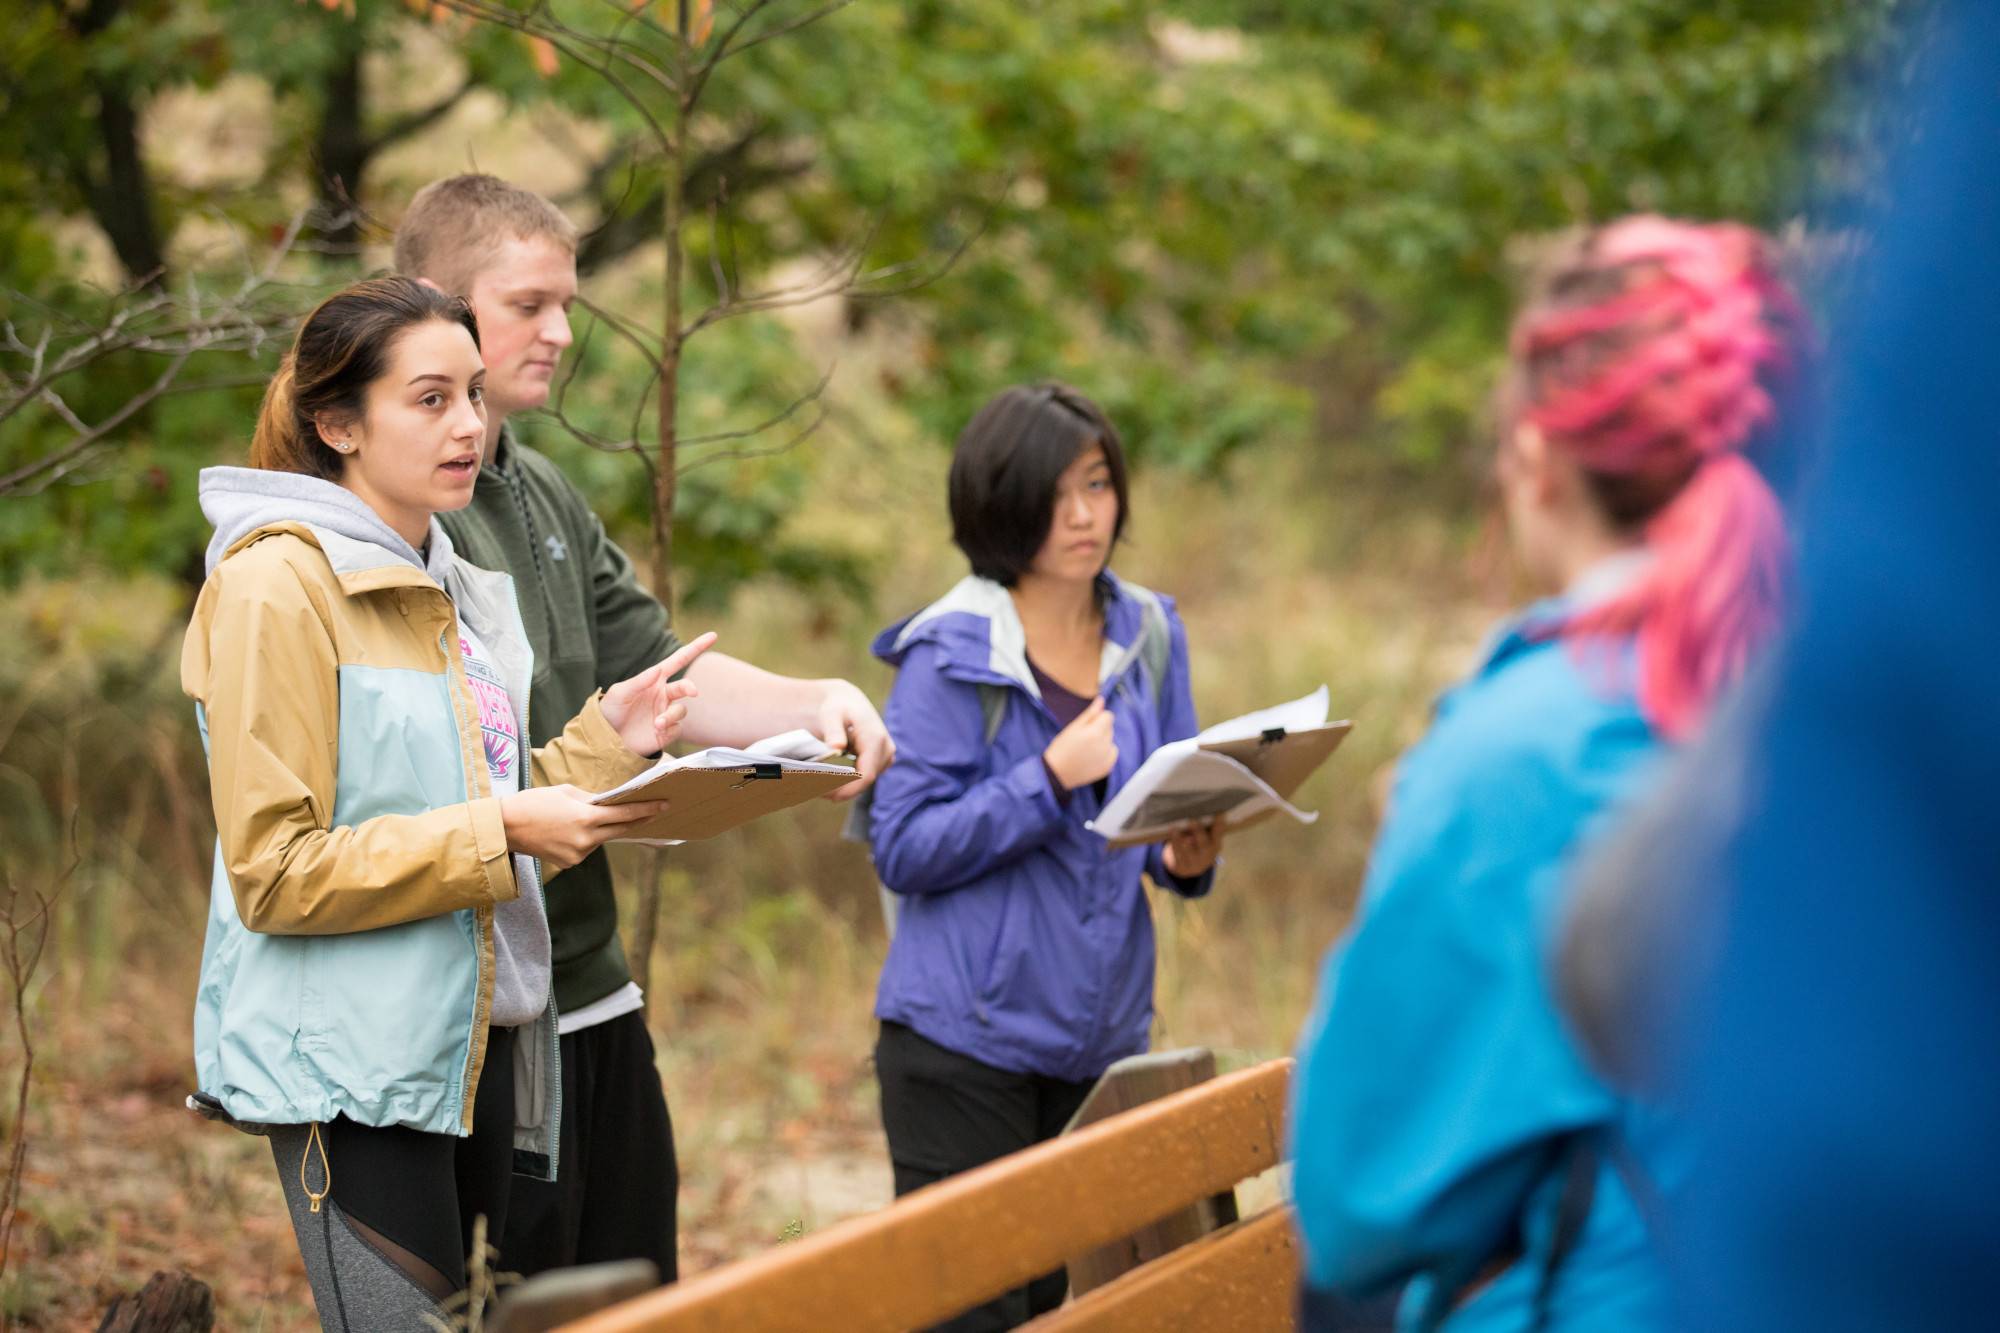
(313, 1140)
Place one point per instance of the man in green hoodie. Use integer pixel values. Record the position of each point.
(512, 255)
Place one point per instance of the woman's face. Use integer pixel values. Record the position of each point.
(416, 449)
(1086, 515)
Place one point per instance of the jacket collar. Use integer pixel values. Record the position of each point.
(358, 566)
(1542, 621)
(980, 638)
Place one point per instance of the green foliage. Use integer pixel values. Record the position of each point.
(1240, 224)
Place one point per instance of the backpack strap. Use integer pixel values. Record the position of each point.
(1155, 645)
(993, 707)
(1580, 1160)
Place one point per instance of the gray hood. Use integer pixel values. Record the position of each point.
(240, 500)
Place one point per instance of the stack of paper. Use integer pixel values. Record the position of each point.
(1239, 771)
(712, 791)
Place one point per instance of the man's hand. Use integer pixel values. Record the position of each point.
(849, 724)
(647, 710)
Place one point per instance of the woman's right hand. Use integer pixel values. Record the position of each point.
(559, 826)
(1083, 751)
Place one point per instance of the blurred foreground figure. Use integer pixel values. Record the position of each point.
(1834, 1042)
(1450, 1138)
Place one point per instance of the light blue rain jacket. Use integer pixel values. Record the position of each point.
(1437, 1086)
(386, 1026)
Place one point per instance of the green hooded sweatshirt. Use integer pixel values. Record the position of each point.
(591, 626)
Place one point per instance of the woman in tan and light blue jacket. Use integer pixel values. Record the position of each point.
(375, 981)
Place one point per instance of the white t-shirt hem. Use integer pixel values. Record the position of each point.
(625, 1000)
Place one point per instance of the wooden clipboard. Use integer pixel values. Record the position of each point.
(703, 802)
(1283, 759)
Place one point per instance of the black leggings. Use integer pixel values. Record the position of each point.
(945, 1113)
(394, 1225)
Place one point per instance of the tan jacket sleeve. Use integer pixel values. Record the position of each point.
(260, 659)
(588, 754)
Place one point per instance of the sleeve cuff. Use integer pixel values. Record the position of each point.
(1055, 783)
(594, 751)
(1035, 784)
(489, 840)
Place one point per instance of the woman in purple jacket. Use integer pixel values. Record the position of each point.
(1022, 961)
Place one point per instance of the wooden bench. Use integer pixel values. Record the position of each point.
(944, 1249)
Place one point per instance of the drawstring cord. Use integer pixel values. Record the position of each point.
(313, 1140)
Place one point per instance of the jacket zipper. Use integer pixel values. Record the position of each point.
(482, 1004)
(527, 778)
(517, 489)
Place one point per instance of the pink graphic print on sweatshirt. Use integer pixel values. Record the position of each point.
(497, 724)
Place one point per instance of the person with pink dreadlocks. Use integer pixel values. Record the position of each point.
(1457, 1160)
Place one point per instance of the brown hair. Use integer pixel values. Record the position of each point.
(342, 348)
(454, 223)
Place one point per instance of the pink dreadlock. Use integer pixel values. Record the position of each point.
(1644, 357)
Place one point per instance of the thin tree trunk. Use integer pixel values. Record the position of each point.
(342, 151)
(645, 927)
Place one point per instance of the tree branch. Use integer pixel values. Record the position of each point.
(729, 455)
(812, 395)
(64, 459)
(155, 324)
(405, 125)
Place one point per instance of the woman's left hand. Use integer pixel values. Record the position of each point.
(1192, 848)
(647, 711)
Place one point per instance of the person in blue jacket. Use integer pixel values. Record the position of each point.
(1453, 1147)
(1021, 964)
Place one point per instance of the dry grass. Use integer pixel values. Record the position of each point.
(770, 941)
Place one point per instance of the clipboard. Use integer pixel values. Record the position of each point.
(706, 801)
(1282, 759)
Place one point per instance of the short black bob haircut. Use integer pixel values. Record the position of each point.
(1005, 467)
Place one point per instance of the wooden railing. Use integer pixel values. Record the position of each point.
(968, 1239)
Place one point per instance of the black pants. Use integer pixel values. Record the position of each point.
(945, 1113)
(396, 1205)
(615, 1192)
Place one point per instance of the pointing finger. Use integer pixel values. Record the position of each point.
(681, 658)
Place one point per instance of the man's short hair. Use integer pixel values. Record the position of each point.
(453, 225)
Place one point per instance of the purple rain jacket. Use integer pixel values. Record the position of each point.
(1023, 939)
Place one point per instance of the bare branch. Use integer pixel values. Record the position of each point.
(812, 395)
(155, 323)
(727, 455)
(573, 42)
(21, 956)
(625, 329)
(404, 126)
(836, 276)
(63, 459)
(734, 43)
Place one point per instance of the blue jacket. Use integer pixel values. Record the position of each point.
(1436, 1082)
(1023, 940)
